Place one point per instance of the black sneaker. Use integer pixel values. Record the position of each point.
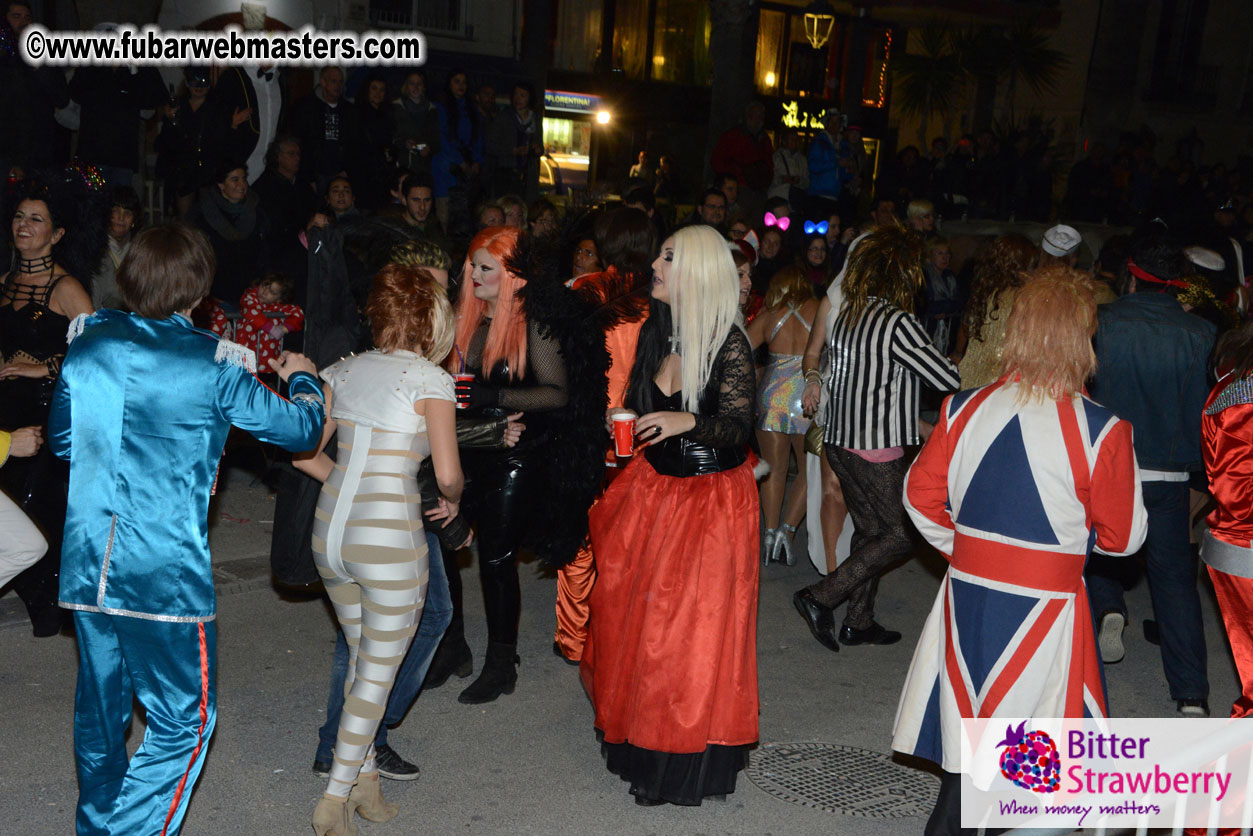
(322, 769)
(392, 765)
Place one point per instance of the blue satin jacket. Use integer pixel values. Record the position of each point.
(141, 412)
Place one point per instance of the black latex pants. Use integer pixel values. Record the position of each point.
(502, 498)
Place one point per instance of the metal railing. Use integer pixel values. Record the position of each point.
(439, 16)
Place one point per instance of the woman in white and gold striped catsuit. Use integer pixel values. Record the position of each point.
(391, 408)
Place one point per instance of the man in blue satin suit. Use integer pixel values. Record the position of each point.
(142, 411)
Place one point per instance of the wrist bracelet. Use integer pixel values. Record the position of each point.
(817, 376)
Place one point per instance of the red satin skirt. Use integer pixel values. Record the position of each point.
(671, 657)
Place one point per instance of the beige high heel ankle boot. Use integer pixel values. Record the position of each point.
(331, 818)
(366, 798)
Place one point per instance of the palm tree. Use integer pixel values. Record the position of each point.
(1030, 59)
(1019, 53)
(928, 81)
(981, 51)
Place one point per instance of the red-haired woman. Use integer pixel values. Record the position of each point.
(511, 337)
(1019, 480)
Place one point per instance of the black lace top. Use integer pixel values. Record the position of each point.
(723, 421)
(542, 389)
(726, 406)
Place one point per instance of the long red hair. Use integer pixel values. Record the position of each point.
(506, 336)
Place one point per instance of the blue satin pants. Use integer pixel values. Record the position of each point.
(171, 668)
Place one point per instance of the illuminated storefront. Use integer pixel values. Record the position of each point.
(652, 58)
(570, 120)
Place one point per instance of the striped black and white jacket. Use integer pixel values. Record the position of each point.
(877, 363)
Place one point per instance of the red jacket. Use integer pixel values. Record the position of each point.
(750, 160)
(1227, 445)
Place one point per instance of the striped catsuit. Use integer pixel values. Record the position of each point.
(368, 540)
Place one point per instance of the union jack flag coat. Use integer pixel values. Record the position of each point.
(1015, 495)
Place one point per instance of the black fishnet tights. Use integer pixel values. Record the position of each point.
(881, 533)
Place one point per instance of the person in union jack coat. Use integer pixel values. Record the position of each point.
(1019, 482)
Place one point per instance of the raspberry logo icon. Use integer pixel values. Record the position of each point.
(1030, 759)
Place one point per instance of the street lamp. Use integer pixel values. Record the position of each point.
(602, 117)
(819, 21)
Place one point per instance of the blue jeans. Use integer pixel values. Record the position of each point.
(436, 614)
(1171, 570)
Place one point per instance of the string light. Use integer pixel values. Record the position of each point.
(89, 174)
(883, 72)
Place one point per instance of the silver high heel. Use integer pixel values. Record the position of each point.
(769, 541)
(786, 533)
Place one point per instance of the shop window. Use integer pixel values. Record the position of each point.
(630, 37)
(769, 72)
(681, 42)
(569, 137)
(578, 35)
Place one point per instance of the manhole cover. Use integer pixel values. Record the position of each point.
(842, 779)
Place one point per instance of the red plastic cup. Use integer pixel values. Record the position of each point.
(624, 434)
(457, 378)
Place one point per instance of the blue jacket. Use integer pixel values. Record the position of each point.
(459, 143)
(141, 412)
(826, 176)
(1152, 360)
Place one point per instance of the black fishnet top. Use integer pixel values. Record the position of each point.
(542, 389)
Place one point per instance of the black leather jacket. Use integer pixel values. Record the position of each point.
(472, 433)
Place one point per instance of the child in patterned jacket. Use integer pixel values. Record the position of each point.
(267, 316)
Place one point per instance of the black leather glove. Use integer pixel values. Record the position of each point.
(472, 395)
(481, 433)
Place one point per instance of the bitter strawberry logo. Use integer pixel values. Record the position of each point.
(1030, 759)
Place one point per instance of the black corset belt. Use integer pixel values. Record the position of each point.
(677, 456)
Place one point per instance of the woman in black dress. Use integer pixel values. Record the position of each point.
(522, 337)
(38, 300)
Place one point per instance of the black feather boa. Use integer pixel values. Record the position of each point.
(571, 463)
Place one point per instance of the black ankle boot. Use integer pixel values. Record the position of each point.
(499, 675)
(452, 657)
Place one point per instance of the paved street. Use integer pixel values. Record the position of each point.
(527, 764)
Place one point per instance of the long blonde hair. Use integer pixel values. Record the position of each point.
(705, 304)
(1048, 336)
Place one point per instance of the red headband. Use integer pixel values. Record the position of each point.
(1142, 274)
